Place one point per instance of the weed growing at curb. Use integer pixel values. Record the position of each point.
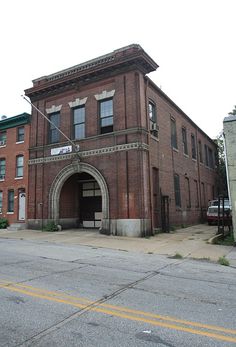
(227, 241)
(177, 256)
(50, 226)
(223, 261)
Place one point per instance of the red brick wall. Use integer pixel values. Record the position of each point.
(170, 161)
(9, 152)
(127, 174)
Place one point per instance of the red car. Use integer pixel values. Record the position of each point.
(212, 212)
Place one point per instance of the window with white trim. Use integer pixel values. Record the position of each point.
(2, 168)
(19, 166)
(10, 201)
(106, 116)
(3, 138)
(79, 123)
(20, 134)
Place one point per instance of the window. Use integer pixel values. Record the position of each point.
(2, 168)
(196, 194)
(3, 138)
(203, 195)
(10, 201)
(20, 134)
(184, 140)
(54, 135)
(1, 198)
(152, 118)
(200, 151)
(193, 143)
(91, 189)
(177, 191)
(206, 155)
(106, 116)
(210, 157)
(19, 165)
(173, 134)
(188, 195)
(79, 123)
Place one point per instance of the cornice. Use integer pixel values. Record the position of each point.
(124, 57)
(16, 121)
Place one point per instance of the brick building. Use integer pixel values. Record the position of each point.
(141, 159)
(14, 144)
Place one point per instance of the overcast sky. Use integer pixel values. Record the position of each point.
(193, 42)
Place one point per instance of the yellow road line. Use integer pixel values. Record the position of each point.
(57, 298)
(122, 309)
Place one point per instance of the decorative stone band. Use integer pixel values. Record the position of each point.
(105, 95)
(92, 152)
(54, 109)
(77, 102)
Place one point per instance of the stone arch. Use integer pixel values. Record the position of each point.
(60, 179)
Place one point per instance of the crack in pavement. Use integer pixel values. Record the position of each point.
(94, 304)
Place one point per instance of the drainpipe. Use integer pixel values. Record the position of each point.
(149, 161)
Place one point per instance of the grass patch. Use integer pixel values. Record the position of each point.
(176, 256)
(227, 241)
(223, 261)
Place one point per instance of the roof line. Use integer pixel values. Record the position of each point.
(178, 108)
(87, 64)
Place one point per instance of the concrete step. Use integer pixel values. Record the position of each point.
(17, 226)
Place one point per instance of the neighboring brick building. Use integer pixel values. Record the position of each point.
(14, 145)
(139, 155)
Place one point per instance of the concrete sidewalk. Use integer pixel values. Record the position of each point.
(189, 242)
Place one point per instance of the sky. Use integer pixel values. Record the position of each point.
(192, 41)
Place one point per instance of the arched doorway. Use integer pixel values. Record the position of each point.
(83, 191)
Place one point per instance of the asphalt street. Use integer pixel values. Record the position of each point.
(72, 295)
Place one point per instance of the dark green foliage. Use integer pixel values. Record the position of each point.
(50, 226)
(233, 113)
(3, 223)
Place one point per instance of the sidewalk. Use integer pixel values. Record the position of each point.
(190, 242)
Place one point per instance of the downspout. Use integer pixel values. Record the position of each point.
(149, 161)
(126, 153)
(140, 155)
(199, 176)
